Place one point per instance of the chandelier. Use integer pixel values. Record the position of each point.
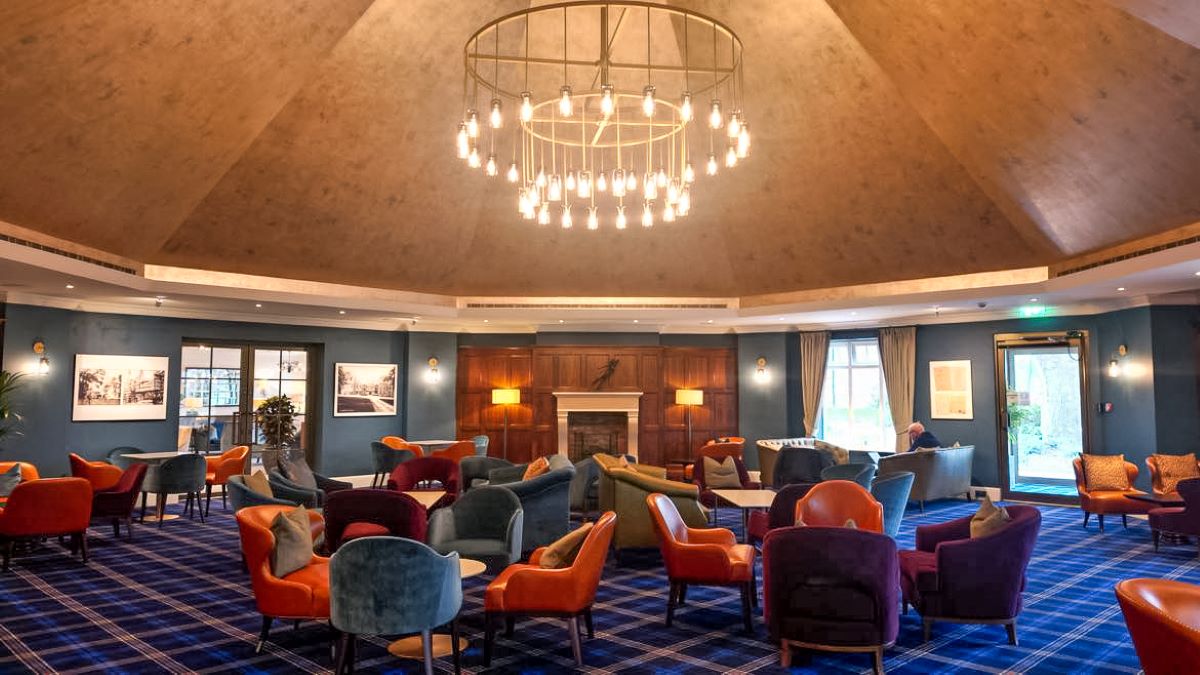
(590, 108)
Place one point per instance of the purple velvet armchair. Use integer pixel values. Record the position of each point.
(1179, 519)
(116, 503)
(411, 474)
(830, 588)
(781, 514)
(951, 577)
(368, 512)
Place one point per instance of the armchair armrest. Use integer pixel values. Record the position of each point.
(284, 489)
(649, 470)
(441, 527)
(929, 536)
(711, 535)
(700, 560)
(327, 484)
(535, 558)
(507, 474)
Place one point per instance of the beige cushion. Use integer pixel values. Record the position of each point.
(800, 522)
(536, 468)
(850, 524)
(1174, 468)
(722, 474)
(988, 519)
(293, 542)
(562, 552)
(258, 482)
(1105, 472)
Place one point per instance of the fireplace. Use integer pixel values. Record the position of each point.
(589, 433)
(609, 422)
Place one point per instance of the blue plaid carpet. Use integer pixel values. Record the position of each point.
(175, 600)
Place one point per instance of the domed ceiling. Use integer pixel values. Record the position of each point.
(894, 139)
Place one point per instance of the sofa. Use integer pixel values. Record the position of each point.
(937, 474)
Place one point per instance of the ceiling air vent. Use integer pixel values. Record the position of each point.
(596, 305)
(67, 254)
(1127, 256)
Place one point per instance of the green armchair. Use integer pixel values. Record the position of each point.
(630, 489)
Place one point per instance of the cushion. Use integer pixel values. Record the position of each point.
(840, 454)
(988, 519)
(799, 522)
(623, 462)
(298, 471)
(293, 542)
(9, 480)
(850, 524)
(259, 483)
(362, 528)
(722, 474)
(1171, 470)
(1105, 472)
(536, 468)
(562, 552)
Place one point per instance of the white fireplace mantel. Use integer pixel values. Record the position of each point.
(627, 402)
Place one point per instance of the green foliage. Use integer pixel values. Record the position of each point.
(275, 418)
(9, 417)
(1024, 419)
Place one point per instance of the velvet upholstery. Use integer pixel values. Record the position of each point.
(484, 524)
(45, 508)
(630, 489)
(531, 590)
(862, 474)
(410, 475)
(700, 556)
(830, 587)
(1183, 520)
(585, 487)
(184, 475)
(303, 594)
(938, 474)
(953, 577)
(293, 470)
(116, 456)
(831, 503)
(232, 462)
(481, 445)
(280, 485)
(385, 459)
(1101, 502)
(391, 513)
(474, 471)
(456, 452)
(545, 500)
(707, 497)
(241, 496)
(892, 492)
(801, 465)
(398, 443)
(116, 504)
(1163, 617)
(781, 514)
(606, 489)
(101, 475)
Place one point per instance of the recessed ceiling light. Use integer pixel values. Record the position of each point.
(70, 286)
(561, 321)
(635, 320)
(710, 321)
(1198, 274)
(853, 313)
(341, 311)
(782, 318)
(1033, 299)
(258, 305)
(1120, 288)
(487, 320)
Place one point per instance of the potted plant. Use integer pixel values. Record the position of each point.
(9, 417)
(275, 418)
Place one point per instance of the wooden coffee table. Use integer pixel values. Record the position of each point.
(427, 497)
(410, 647)
(1172, 499)
(746, 500)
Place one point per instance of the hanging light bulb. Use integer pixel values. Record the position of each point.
(743, 140)
(535, 196)
(512, 174)
(540, 179)
(685, 107)
(648, 100)
(491, 165)
(473, 160)
(462, 141)
(526, 106)
(607, 105)
(689, 173)
(618, 183)
(495, 118)
(621, 217)
(584, 190)
(714, 116)
(735, 124)
(630, 182)
(472, 124)
(554, 191)
(566, 217)
(570, 184)
(660, 178)
(669, 214)
(544, 214)
(711, 168)
(685, 201)
(522, 200)
(565, 106)
(647, 215)
(673, 191)
(593, 223)
(649, 187)
(730, 157)
(602, 182)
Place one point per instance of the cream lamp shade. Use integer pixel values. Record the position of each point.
(506, 396)
(689, 397)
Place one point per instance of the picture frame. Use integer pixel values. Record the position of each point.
(117, 388)
(365, 389)
(950, 390)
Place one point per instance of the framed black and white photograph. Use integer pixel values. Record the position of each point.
(112, 388)
(364, 389)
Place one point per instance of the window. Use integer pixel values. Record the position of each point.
(854, 410)
(210, 392)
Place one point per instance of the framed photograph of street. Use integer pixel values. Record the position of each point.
(119, 388)
(364, 389)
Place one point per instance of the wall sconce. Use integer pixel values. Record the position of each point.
(760, 371)
(433, 375)
(39, 348)
(1114, 365)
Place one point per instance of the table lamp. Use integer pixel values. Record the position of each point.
(506, 397)
(689, 398)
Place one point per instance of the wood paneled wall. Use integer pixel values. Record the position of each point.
(540, 371)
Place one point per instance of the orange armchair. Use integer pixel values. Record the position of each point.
(46, 508)
(101, 475)
(232, 462)
(530, 590)
(1156, 484)
(398, 443)
(301, 595)
(831, 503)
(1163, 618)
(1101, 502)
(28, 471)
(699, 556)
(457, 451)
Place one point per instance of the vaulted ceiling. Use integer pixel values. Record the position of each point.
(894, 139)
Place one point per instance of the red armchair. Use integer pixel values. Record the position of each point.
(368, 512)
(831, 503)
(1101, 502)
(1163, 618)
(707, 497)
(530, 590)
(47, 508)
(781, 514)
(706, 557)
(409, 476)
(101, 475)
(301, 595)
(232, 462)
(116, 504)
(952, 577)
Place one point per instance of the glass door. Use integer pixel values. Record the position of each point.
(1042, 425)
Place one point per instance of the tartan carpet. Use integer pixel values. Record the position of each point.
(175, 600)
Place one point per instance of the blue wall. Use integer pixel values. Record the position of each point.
(762, 406)
(430, 406)
(1176, 394)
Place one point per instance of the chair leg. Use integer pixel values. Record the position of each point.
(8, 551)
(343, 652)
(1086, 516)
(746, 621)
(1011, 626)
(681, 598)
(671, 595)
(207, 498)
(143, 507)
(489, 638)
(573, 627)
(262, 636)
(785, 654)
(83, 546)
(510, 624)
(1124, 521)
(116, 526)
(753, 587)
(878, 664)
(224, 506)
(587, 620)
(1154, 535)
(161, 508)
(454, 646)
(1100, 519)
(187, 506)
(926, 628)
(129, 527)
(197, 507)
(427, 650)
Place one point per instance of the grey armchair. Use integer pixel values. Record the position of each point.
(862, 474)
(545, 499)
(281, 485)
(473, 471)
(801, 465)
(116, 456)
(484, 524)
(297, 470)
(585, 488)
(941, 473)
(892, 491)
(179, 475)
(385, 459)
(241, 496)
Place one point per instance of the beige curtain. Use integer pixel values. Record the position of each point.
(814, 348)
(898, 355)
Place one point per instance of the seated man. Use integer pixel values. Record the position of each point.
(919, 438)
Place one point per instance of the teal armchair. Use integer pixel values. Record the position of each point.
(485, 524)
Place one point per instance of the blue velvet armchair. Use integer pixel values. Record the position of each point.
(892, 491)
(545, 499)
(474, 471)
(179, 475)
(242, 496)
(484, 524)
(297, 472)
(862, 474)
(385, 459)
